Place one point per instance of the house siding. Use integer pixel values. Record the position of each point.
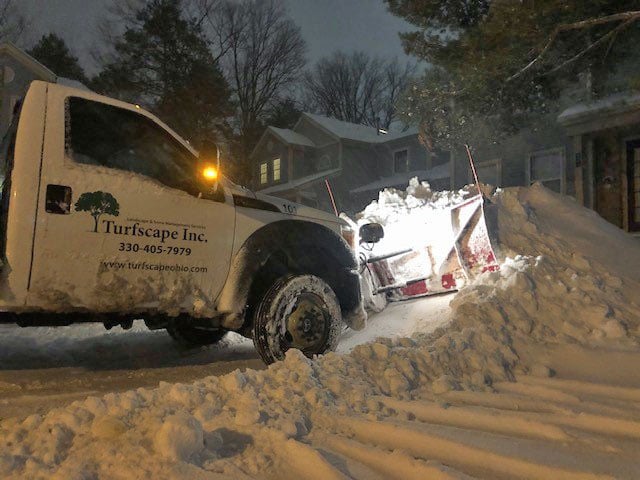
(419, 157)
(12, 89)
(610, 180)
(514, 152)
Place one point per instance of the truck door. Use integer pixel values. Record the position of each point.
(124, 223)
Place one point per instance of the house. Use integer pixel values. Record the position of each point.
(590, 151)
(538, 153)
(605, 136)
(17, 70)
(355, 160)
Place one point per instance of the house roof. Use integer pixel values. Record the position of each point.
(28, 61)
(402, 179)
(299, 182)
(613, 104)
(336, 128)
(354, 131)
(38, 68)
(291, 137)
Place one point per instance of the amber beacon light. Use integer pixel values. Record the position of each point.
(210, 173)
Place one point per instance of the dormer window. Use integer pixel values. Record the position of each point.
(264, 173)
(401, 161)
(276, 170)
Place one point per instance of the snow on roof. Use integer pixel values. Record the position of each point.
(435, 173)
(291, 137)
(617, 103)
(38, 68)
(354, 131)
(28, 61)
(300, 181)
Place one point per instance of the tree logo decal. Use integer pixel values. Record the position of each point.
(97, 204)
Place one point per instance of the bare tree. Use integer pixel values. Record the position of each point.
(12, 21)
(396, 80)
(261, 51)
(356, 88)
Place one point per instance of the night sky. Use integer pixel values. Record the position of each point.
(327, 25)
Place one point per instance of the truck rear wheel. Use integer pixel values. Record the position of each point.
(296, 312)
(190, 337)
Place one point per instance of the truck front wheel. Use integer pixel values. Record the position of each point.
(297, 312)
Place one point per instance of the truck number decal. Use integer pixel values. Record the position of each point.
(290, 209)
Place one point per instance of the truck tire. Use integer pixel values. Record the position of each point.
(191, 337)
(297, 311)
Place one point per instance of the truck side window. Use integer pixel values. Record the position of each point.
(101, 134)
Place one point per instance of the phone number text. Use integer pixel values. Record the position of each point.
(158, 249)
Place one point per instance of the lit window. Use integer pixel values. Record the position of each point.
(547, 167)
(276, 170)
(401, 161)
(263, 173)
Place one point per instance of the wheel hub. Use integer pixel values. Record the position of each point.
(306, 324)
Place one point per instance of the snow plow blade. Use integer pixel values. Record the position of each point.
(437, 262)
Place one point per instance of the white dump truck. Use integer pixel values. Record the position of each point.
(108, 215)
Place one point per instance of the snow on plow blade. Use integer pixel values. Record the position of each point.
(453, 248)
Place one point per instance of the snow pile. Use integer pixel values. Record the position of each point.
(396, 206)
(577, 284)
(570, 278)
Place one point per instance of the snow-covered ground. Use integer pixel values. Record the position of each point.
(533, 374)
(45, 367)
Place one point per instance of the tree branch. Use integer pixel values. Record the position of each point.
(626, 17)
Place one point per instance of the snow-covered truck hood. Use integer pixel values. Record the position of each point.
(301, 210)
(288, 207)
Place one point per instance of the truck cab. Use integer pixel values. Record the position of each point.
(106, 215)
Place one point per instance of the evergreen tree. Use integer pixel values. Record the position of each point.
(53, 53)
(509, 62)
(163, 62)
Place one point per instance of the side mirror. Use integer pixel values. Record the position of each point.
(371, 233)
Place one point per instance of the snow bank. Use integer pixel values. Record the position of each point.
(569, 277)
